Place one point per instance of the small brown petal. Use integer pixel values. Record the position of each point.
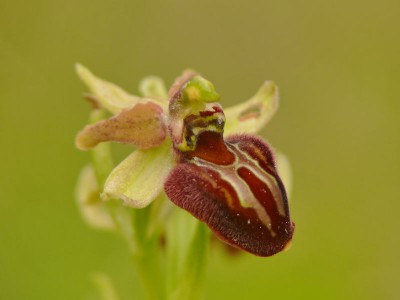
(142, 126)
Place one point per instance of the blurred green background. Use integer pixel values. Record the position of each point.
(337, 64)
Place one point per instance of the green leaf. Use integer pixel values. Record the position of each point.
(140, 177)
(254, 114)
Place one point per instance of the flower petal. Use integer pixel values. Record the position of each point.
(140, 177)
(142, 125)
(242, 200)
(254, 114)
(154, 87)
(93, 210)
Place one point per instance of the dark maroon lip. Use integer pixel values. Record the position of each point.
(203, 190)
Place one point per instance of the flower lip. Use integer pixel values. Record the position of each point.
(210, 147)
(216, 199)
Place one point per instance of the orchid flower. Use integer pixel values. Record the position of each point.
(206, 159)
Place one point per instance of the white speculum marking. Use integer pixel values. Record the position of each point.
(267, 178)
(246, 197)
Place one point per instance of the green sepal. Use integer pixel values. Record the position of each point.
(139, 178)
(109, 95)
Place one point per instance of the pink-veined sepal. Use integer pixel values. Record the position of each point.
(142, 126)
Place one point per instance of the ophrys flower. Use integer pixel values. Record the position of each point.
(205, 158)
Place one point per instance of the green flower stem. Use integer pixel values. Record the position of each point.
(132, 225)
(147, 255)
(187, 250)
(148, 266)
(193, 273)
(180, 229)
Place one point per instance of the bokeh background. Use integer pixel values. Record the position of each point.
(337, 64)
